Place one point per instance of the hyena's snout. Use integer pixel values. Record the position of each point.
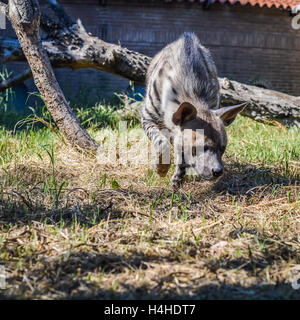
(212, 173)
(217, 171)
(213, 169)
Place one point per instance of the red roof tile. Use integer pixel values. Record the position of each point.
(285, 4)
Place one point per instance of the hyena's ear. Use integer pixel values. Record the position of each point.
(185, 112)
(228, 114)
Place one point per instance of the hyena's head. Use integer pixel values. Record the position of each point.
(202, 140)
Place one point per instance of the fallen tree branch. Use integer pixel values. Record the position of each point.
(77, 50)
(264, 105)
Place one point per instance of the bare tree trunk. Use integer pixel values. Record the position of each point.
(264, 105)
(69, 45)
(25, 19)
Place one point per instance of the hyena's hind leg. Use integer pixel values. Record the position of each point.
(161, 163)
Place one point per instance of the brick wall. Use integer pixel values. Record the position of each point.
(247, 43)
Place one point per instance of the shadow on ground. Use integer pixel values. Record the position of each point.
(60, 280)
(243, 179)
(240, 180)
(67, 276)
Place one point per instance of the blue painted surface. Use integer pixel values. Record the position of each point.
(16, 98)
(19, 99)
(137, 93)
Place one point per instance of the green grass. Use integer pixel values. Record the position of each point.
(73, 228)
(257, 142)
(22, 144)
(249, 141)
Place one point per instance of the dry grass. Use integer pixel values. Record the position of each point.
(78, 229)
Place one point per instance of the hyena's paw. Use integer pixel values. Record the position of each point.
(176, 184)
(161, 169)
(162, 161)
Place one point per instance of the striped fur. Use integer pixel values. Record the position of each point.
(183, 93)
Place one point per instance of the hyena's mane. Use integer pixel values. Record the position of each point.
(198, 70)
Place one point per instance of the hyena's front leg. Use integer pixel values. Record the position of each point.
(178, 176)
(161, 145)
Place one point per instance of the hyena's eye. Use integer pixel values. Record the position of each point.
(194, 151)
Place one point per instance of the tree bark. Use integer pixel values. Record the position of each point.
(263, 105)
(24, 16)
(69, 45)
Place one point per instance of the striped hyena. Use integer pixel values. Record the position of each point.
(183, 93)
